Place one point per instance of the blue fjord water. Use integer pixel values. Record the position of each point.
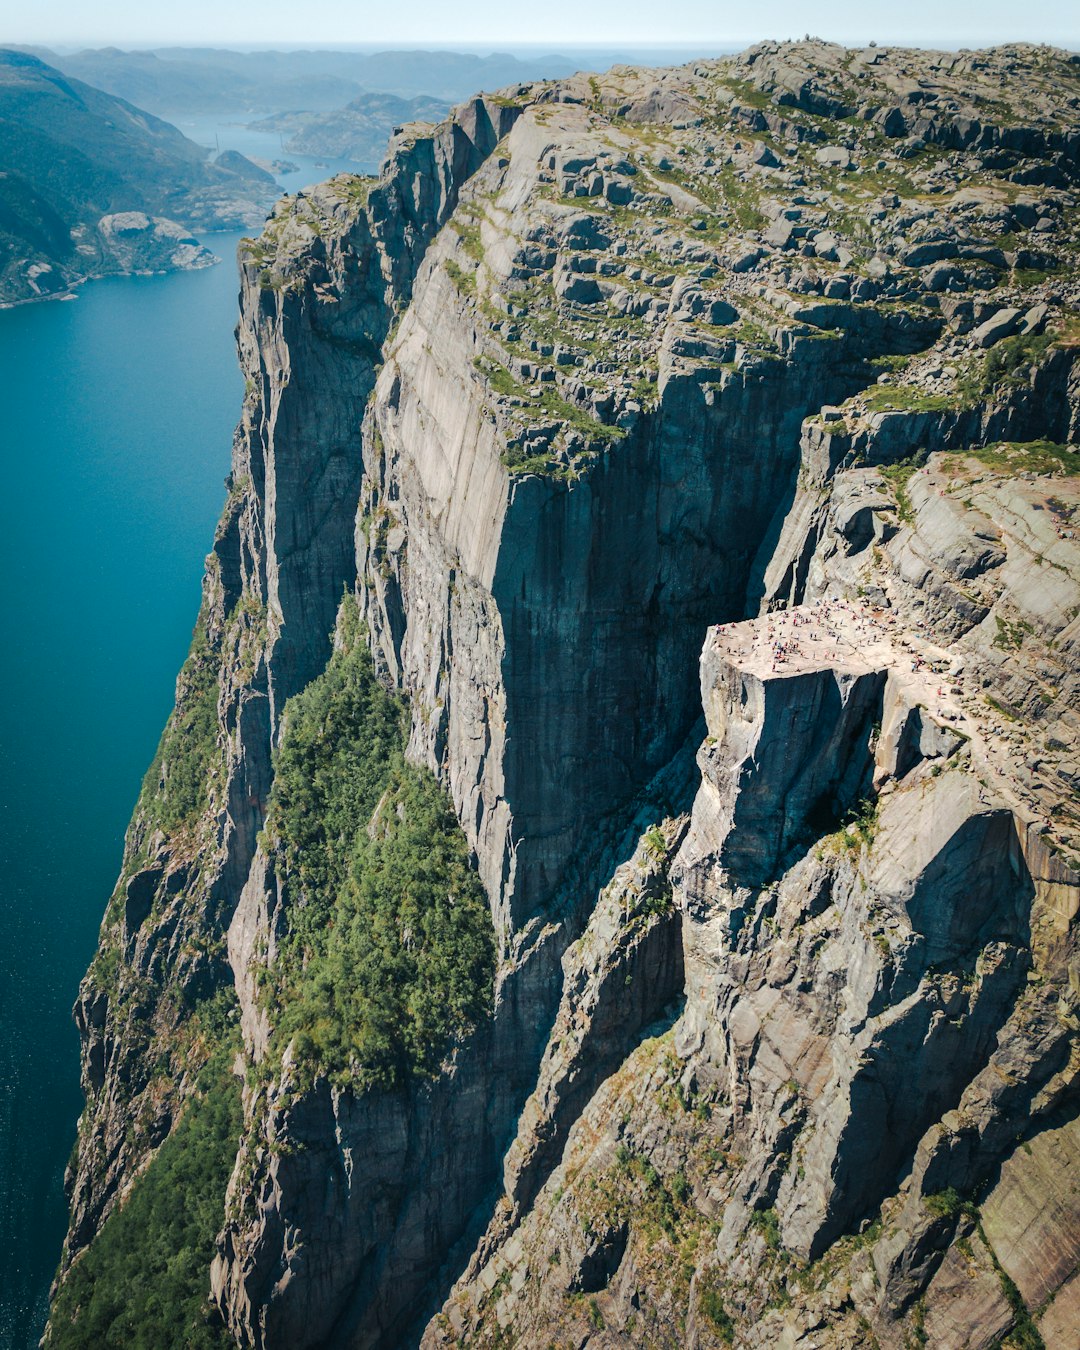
(116, 412)
(116, 417)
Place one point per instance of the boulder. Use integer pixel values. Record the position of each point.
(1001, 324)
(833, 157)
(1034, 321)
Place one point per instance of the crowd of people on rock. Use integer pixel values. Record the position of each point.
(821, 620)
(780, 636)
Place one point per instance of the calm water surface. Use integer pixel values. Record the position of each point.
(116, 417)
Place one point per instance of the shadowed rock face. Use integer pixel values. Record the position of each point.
(580, 383)
(929, 931)
(790, 759)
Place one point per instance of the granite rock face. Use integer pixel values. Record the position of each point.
(313, 313)
(618, 403)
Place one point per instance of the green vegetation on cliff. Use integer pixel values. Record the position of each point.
(145, 1281)
(174, 791)
(390, 952)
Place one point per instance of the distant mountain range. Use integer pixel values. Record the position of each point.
(176, 80)
(90, 184)
(358, 131)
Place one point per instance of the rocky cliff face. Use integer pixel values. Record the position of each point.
(311, 325)
(770, 363)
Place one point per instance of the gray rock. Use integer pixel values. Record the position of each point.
(746, 261)
(965, 1306)
(1034, 321)
(834, 157)
(943, 277)
(783, 234)
(1002, 324)
(932, 251)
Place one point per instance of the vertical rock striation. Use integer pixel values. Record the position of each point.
(319, 291)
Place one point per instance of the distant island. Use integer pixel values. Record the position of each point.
(358, 131)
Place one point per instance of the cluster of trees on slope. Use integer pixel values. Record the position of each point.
(390, 952)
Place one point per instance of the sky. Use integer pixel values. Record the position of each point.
(486, 25)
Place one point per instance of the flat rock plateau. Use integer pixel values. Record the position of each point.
(674, 474)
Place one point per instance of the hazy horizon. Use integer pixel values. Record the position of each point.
(488, 26)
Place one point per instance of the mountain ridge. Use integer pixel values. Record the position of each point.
(93, 185)
(180, 79)
(359, 131)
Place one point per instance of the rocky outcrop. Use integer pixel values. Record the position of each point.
(612, 401)
(917, 970)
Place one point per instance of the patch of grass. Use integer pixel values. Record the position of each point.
(918, 1323)
(655, 843)
(948, 1204)
(1001, 709)
(1046, 458)
(1010, 636)
(557, 408)
(464, 281)
(897, 476)
(175, 790)
(767, 1223)
(468, 231)
(906, 398)
(1009, 362)
(1067, 329)
(858, 831)
(743, 199)
(1030, 276)
(545, 405)
(749, 94)
(499, 378)
(353, 187)
(645, 390)
(711, 1307)
(754, 335)
(869, 1235)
